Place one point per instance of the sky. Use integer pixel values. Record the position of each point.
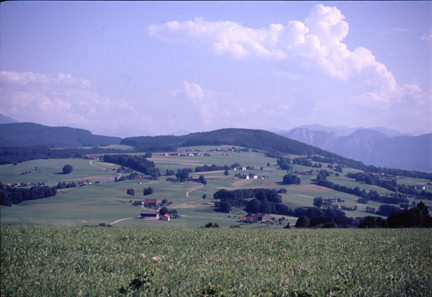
(201, 66)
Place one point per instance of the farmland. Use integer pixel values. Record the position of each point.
(107, 201)
(127, 261)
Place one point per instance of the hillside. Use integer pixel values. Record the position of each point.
(28, 134)
(372, 147)
(6, 120)
(253, 139)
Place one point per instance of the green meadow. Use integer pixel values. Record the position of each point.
(128, 261)
(106, 201)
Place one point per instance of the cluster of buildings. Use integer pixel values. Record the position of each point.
(153, 215)
(18, 185)
(248, 176)
(259, 217)
(331, 200)
(187, 154)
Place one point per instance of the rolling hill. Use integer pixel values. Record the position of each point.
(6, 120)
(253, 139)
(28, 134)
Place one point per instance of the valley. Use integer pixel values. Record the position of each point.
(103, 200)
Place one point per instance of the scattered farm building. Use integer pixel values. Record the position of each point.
(149, 215)
(151, 202)
(263, 217)
(165, 217)
(259, 217)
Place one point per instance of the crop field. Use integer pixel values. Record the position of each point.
(107, 201)
(127, 261)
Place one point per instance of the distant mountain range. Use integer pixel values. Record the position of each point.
(345, 131)
(378, 146)
(372, 147)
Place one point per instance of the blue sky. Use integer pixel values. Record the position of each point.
(201, 66)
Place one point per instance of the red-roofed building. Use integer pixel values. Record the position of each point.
(151, 202)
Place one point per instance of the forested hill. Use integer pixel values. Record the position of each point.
(29, 134)
(253, 139)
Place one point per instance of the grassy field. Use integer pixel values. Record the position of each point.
(98, 261)
(107, 201)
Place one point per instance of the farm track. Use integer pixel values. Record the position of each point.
(91, 164)
(121, 220)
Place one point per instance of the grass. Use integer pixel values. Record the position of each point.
(126, 261)
(107, 202)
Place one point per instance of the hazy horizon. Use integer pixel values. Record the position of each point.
(201, 66)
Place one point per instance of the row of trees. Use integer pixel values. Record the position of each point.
(9, 196)
(370, 168)
(368, 179)
(364, 196)
(14, 155)
(416, 217)
(138, 163)
(289, 179)
(64, 185)
(212, 167)
(147, 191)
(264, 198)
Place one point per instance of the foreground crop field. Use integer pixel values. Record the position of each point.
(126, 261)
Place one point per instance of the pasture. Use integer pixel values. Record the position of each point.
(127, 261)
(107, 201)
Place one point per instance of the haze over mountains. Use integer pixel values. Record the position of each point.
(372, 147)
(376, 146)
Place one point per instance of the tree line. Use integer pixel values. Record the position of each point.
(14, 155)
(12, 195)
(416, 217)
(364, 196)
(238, 198)
(136, 162)
(212, 167)
(374, 169)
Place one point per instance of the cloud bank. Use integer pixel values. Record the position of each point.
(61, 100)
(316, 43)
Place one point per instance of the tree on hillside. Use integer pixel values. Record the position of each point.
(226, 173)
(289, 179)
(183, 174)
(163, 211)
(148, 191)
(202, 179)
(302, 222)
(415, 217)
(130, 192)
(318, 202)
(67, 169)
(224, 206)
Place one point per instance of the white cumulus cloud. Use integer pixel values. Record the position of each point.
(315, 43)
(40, 98)
(203, 101)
